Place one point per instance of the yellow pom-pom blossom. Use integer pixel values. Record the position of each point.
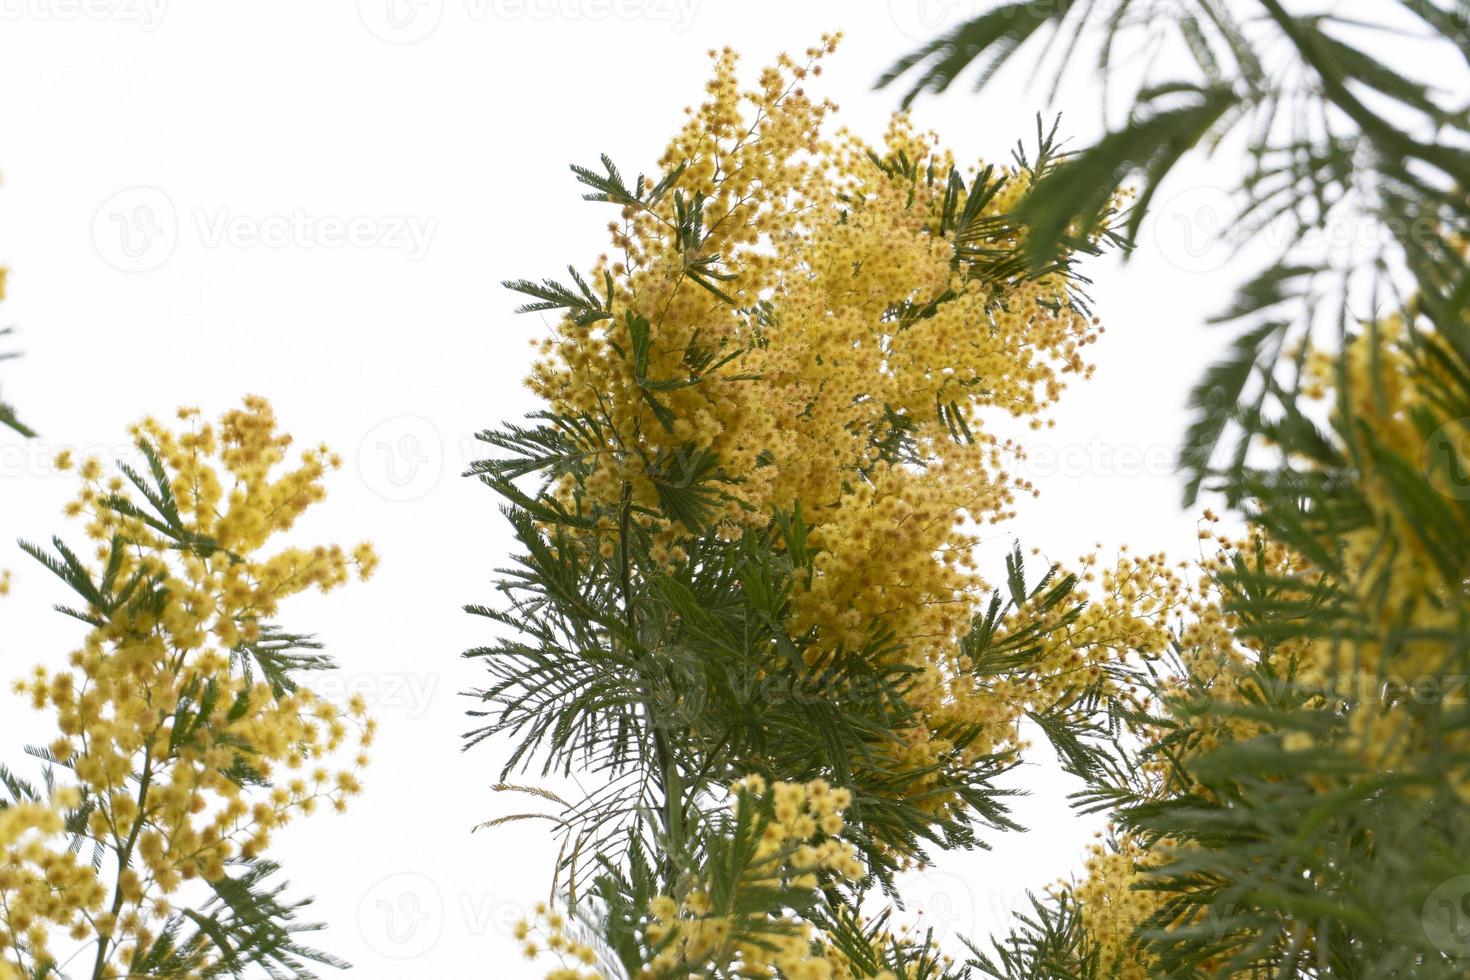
(1386, 563)
(44, 884)
(1113, 892)
(1113, 910)
(849, 321)
(1401, 577)
(1116, 904)
(797, 845)
(798, 848)
(183, 763)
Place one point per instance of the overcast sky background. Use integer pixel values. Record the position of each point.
(317, 203)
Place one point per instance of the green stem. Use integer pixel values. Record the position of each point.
(124, 859)
(664, 774)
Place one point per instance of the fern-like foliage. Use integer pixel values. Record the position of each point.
(654, 682)
(239, 923)
(1334, 138)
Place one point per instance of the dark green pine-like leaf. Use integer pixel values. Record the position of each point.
(280, 656)
(8, 416)
(10, 420)
(1216, 402)
(1282, 862)
(245, 926)
(1079, 190)
(995, 34)
(1049, 940)
(585, 306)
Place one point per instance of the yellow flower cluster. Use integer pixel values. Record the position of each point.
(44, 884)
(1213, 658)
(183, 760)
(854, 325)
(546, 931)
(1409, 605)
(701, 932)
(1113, 910)
(1397, 576)
(1117, 613)
(1120, 611)
(795, 845)
(1400, 588)
(849, 309)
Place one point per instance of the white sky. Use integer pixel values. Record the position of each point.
(254, 136)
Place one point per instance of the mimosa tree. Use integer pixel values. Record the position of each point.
(185, 729)
(746, 603)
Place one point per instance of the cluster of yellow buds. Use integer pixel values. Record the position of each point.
(184, 762)
(797, 845)
(847, 312)
(545, 931)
